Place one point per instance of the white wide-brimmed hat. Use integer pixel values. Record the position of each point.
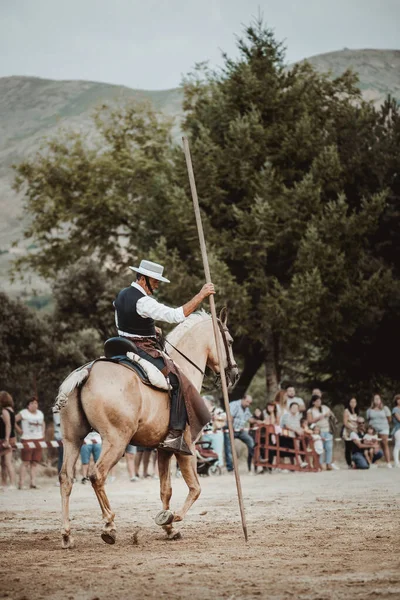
(151, 269)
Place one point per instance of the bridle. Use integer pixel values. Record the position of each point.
(215, 381)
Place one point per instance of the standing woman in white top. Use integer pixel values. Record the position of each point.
(319, 413)
(379, 418)
(32, 430)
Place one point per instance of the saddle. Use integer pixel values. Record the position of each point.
(122, 351)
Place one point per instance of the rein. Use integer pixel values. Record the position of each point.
(215, 381)
(185, 357)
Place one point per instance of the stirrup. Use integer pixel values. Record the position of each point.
(175, 442)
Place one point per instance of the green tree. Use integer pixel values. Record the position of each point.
(24, 348)
(286, 169)
(299, 189)
(37, 353)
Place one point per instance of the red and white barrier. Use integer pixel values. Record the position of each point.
(42, 444)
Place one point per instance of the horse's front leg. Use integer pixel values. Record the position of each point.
(165, 517)
(188, 468)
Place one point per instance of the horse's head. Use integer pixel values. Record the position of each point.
(229, 366)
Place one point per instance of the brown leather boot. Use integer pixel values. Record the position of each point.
(175, 442)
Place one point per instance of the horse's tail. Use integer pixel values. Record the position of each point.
(75, 380)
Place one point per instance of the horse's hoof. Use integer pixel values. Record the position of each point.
(176, 536)
(164, 517)
(109, 537)
(67, 542)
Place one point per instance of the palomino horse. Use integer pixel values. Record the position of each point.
(114, 401)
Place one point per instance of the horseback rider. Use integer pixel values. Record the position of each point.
(136, 311)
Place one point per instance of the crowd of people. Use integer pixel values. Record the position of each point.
(366, 438)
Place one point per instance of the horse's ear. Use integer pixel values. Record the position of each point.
(223, 316)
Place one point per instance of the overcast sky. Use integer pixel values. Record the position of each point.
(150, 44)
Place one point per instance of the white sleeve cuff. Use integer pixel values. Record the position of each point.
(180, 314)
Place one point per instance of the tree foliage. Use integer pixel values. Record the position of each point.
(298, 180)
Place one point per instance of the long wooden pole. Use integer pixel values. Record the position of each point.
(216, 328)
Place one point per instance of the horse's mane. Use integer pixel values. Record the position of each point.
(180, 330)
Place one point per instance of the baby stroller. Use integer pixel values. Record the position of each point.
(206, 459)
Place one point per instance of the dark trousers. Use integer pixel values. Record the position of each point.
(361, 462)
(178, 414)
(348, 445)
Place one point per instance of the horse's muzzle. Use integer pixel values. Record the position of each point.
(232, 377)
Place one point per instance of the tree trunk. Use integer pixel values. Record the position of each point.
(253, 359)
(272, 370)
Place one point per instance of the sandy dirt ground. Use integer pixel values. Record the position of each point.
(331, 535)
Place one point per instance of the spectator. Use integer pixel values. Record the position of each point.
(396, 430)
(217, 437)
(240, 416)
(281, 402)
(257, 420)
(291, 422)
(320, 413)
(142, 453)
(318, 441)
(7, 438)
(305, 427)
(349, 424)
(359, 447)
(291, 397)
(32, 430)
(58, 438)
(130, 452)
(379, 418)
(258, 415)
(92, 448)
(370, 436)
(271, 414)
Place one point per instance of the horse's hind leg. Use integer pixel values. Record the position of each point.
(111, 451)
(75, 427)
(187, 465)
(66, 477)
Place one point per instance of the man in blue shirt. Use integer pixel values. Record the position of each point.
(240, 416)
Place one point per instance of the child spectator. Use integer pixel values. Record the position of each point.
(93, 448)
(370, 436)
(318, 441)
(291, 422)
(271, 414)
(32, 430)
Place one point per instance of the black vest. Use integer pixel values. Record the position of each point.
(128, 319)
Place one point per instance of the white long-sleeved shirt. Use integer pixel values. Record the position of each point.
(149, 307)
